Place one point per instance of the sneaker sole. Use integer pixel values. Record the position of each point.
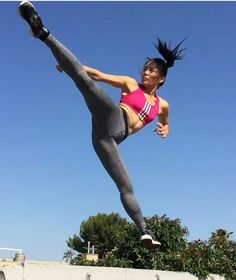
(148, 243)
(23, 3)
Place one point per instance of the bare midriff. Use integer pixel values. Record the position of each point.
(134, 123)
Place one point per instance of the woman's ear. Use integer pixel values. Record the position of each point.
(162, 79)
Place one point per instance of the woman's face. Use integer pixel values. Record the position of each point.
(151, 76)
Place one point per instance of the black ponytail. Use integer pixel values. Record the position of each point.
(169, 55)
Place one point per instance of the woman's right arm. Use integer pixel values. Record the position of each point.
(125, 83)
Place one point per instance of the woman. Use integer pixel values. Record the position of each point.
(112, 123)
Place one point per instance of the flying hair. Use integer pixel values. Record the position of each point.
(169, 55)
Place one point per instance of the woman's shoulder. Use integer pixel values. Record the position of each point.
(163, 103)
(131, 86)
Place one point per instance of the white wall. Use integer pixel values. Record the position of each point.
(34, 270)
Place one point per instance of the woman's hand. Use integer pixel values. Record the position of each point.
(162, 129)
(59, 68)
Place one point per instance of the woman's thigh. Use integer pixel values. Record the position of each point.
(109, 155)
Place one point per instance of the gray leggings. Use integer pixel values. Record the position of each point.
(109, 127)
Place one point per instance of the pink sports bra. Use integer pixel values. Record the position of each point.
(137, 102)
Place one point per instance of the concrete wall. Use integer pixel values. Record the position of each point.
(34, 270)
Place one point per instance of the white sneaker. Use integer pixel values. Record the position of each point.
(28, 12)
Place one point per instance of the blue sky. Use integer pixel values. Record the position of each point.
(50, 178)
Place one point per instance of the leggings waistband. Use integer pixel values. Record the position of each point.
(126, 123)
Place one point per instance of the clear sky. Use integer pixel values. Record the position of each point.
(50, 177)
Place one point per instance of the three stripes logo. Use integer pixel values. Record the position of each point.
(145, 111)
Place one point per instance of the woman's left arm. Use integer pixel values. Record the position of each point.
(162, 128)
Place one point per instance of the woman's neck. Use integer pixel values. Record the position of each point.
(149, 91)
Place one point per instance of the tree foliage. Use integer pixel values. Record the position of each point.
(101, 231)
(117, 243)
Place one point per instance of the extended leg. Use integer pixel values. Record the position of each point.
(98, 102)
